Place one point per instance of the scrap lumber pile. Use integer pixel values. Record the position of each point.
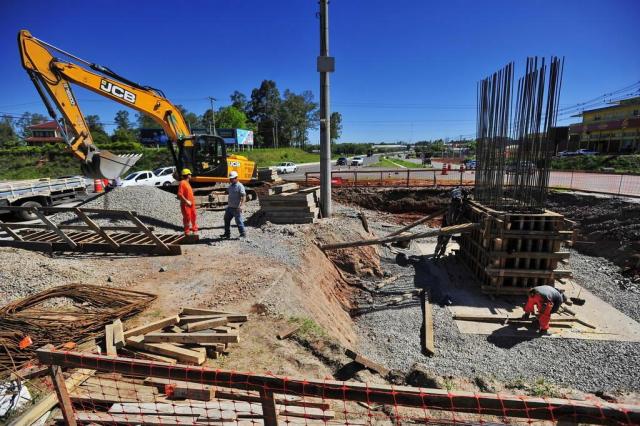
(29, 323)
(268, 174)
(286, 204)
(190, 337)
(111, 398)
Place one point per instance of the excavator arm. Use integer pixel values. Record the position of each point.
(53, 78)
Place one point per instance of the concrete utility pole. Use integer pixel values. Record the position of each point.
(213, 117)
(326, 64)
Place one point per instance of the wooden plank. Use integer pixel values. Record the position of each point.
(30, 372)
(193, 338)
(9, 231)
(166, 349)
(91, 224)
(118, 334)
(288, 332)
(185, 319)
(210, 411)
(203, 325)
(139, 419)
(502, 319)
(63, 395)
(231, 316)
(137, 222)
(201, 393)
(268, 408)
(367, 363)
(436, 399)
(454, 229)
(108, 340)
(52, 226)
(48, 402)
(146, 355)
(428, 335)
(305, 412)
(153, 326)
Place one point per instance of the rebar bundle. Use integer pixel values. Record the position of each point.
(513, 159)
(85, 318)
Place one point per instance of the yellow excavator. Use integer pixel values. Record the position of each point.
(205, 155)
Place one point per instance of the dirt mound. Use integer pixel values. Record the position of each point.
(607, 227)
(402, 200)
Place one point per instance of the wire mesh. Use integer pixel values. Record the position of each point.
(514, 147)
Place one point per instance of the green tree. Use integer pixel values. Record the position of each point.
(94, 123)
(336, 125)
(264, 109)
(146, 122)
(191, 118)
(124, 130)
(298, 114)
(8, 136)
(232, 118)
(239, 101)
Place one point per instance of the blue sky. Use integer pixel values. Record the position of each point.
(405, 70)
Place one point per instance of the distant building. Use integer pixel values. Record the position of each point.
(610, 130)
(43, 133)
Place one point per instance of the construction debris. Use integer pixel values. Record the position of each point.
(288, 332)
(285, 207)
(189, 337)
(92, 307)
(367, 363)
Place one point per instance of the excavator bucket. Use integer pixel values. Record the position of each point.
(106, 165)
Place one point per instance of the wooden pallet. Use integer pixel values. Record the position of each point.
(51, 237)
(513, 252)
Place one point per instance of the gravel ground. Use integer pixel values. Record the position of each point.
(391, 335)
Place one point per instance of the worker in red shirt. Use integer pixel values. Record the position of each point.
(187, 203)
(546, 300)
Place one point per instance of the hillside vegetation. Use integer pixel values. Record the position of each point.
(619, 163)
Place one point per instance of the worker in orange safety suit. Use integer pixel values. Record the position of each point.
(187, 203)
(546, 300)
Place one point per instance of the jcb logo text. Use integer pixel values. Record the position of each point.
(118, 91)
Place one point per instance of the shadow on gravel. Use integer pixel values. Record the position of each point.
(504, 337)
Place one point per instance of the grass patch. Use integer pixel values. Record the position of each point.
(543, 388)
(394, 163)
(619, 163)
(266, 157)
(308, 327)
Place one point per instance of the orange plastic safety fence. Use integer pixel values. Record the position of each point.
(131, 391)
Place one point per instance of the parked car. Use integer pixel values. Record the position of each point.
(566, 154)
(165, 171)
(586, 152)
(147, 178)
(470, 164)
(342, 161)
(357, 161)
(286, 168)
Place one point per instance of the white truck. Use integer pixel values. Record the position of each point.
(40, 192)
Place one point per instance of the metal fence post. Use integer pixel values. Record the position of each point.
(355, 178)
(571, 184)
(620, 185)
(435, 182)
(408, 176)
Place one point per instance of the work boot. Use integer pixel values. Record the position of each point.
(225, 236)
(543, 332)
(243, 235)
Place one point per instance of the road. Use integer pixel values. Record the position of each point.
(580, 181)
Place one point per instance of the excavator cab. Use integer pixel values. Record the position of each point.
(205, 156)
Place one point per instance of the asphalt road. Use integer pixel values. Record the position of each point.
(579, 181)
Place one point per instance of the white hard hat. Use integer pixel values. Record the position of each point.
(233, 174)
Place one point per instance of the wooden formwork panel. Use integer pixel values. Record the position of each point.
(513, 252)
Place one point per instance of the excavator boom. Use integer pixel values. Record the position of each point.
(52, 77)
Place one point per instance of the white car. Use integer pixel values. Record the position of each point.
(357, 161)
(286, 168)
(147, 178)
(165, 171)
